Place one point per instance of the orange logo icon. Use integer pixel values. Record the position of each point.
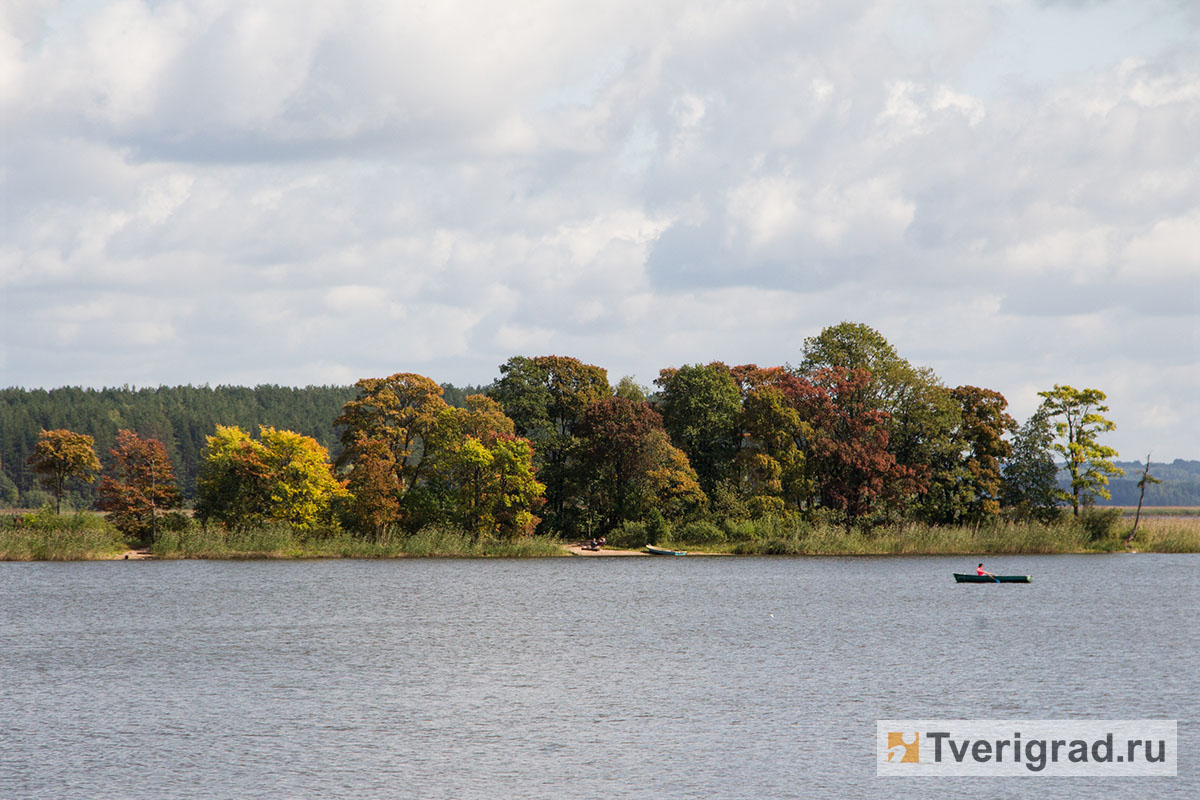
(903, 748)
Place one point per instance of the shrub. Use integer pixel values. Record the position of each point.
(657, 528)
(630, 536)
(700, 533)
(1099, 523)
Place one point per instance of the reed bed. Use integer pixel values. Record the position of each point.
(46, 536)
(795, 537)
(283, 541)
(1168, 535)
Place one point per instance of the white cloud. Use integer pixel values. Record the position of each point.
(256, 191)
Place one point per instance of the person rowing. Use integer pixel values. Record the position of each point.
(980, 571)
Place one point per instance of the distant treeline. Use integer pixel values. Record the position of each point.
(853, 435)
(181, 417)
(1180, 484)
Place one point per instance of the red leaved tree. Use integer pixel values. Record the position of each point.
(848, 452)
(140, 484)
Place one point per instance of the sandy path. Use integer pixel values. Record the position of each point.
(576, 549)
(134, 555)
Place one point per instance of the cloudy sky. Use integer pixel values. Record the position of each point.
(236, 191)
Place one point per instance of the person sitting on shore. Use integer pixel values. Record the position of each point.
(980, 571)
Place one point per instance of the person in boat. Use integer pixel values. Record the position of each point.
(981, 571)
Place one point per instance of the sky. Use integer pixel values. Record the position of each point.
(295, 192)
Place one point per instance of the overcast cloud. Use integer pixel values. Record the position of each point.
(293, 192)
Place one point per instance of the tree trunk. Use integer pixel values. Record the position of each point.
(1142, 496)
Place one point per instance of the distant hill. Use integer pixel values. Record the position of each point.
(1180, 484)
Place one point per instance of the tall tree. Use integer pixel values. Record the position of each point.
(481, 475)
(234, 484)
(302, 490)
(922, 416)
(981, 437)
(631, 465)
(848, 449)
(61, 456)
(546, 398)
(283, 477)
(373, 485)
(398, 414)
(1078, 421)
(1029, 489)
(701, 408)
(773, 464)
(140, 484)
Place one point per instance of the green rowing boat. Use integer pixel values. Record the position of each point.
(662, 551)
(961, 578)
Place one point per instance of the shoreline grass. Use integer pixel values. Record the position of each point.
(1069, 536)
(284, 542)
(44, 536)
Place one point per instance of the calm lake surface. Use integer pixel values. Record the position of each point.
(571, 677)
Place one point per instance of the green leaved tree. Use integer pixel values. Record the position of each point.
(1078, 421)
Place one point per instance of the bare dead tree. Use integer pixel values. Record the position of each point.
(1146, 479)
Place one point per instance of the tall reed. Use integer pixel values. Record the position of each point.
(46, 536)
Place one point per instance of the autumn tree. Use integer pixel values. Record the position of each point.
(546, 398)
(1078, 421)
(1029, 487)
(481, 475)
(61, 457)
(772, 464)
(284, 477)
(301, 488)
(234, 483)
(981, 439)
(848, 449)
(701, 406)
(921, 414)
(374, 500)
(630, 465)
(384, 430)
(139, 484)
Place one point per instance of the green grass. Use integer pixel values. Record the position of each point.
(1177, 535)
(46, 536)
(283, 541)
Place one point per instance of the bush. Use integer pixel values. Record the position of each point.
(657, 528)
(739, 530)
(630, 536)
(700, 533)
(1099, 523)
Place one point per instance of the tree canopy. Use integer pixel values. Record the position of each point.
(1078, 422)
(855, 433)
(61, 456)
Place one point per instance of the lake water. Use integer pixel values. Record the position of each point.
(571, 677)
